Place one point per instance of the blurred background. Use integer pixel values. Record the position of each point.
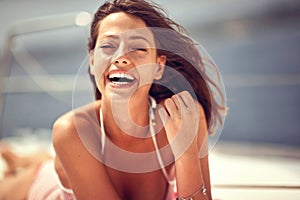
(256, 45)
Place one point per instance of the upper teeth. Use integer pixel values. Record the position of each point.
(121, 78)
(121, 75)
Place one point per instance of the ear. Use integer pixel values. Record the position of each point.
(161, 62)
(91, 62)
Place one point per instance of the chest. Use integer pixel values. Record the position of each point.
(131, 186)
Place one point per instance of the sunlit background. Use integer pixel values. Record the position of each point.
(256, 45)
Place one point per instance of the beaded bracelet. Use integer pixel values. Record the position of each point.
(202, 189)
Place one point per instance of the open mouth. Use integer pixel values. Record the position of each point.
(120, 78)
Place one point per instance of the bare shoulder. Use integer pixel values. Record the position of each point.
(63, 129)
(75, 144)
(66, 128)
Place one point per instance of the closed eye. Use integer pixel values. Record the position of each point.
(139, 49)
(106, 47)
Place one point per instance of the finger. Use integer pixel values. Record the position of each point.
(187, 100)
(163, 115)
(171, 108)
(180, 105)
(176, 100)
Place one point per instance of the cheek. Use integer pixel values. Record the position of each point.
(141, 59)
(146, 73)
(146, 68)
(101, 62)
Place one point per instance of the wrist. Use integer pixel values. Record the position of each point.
(187, 159)
(185, 163)
(191, 153)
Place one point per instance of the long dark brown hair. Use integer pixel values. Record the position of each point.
(182, 47)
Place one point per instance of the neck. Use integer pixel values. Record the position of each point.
(126, 119)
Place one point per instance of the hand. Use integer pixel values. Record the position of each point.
(181, 120)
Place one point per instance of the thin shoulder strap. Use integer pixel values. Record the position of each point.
(152, 131)
(102, 132)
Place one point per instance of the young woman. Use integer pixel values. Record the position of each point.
(146, 132)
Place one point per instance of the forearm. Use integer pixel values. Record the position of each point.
(185, 124)
(190, 178)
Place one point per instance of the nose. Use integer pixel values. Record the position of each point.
(122, 61)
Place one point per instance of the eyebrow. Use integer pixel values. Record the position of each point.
(139, 37)
(133, 37)
(110, 36)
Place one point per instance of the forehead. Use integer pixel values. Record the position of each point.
(122, 24)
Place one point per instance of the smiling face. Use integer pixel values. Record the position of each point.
(124, 60)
